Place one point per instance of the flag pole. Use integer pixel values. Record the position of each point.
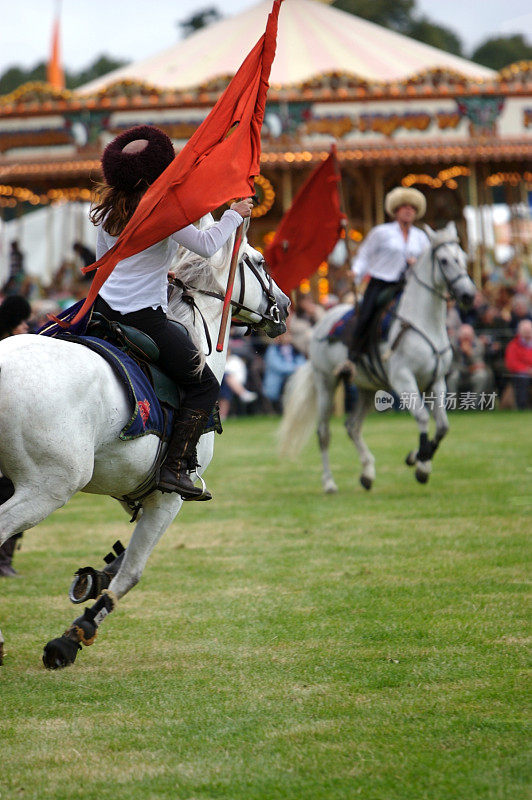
(229, 291)
(344, 222)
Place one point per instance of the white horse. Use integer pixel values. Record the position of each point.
(415, 361)
(62, 409)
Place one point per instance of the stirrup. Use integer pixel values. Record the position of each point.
(205, 494)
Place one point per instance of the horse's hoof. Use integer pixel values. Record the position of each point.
(330, 487)
(410, 460)
(59, 653)
(422, 476)
(366, 482)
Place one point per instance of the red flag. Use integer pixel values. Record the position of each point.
(217, 164)
(309, 229)
(54, 70)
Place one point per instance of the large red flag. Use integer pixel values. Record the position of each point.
(309, 229)
(217, 164)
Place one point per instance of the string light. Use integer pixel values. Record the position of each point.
(267, 199)
(20, 194)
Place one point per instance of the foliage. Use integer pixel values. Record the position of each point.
(16, 76)
(199, 19)
(287, 644)
(436, 35)
(394, 14)
(101, 66)
(500, 51)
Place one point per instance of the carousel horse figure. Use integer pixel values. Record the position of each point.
(414, 361)
(62, 410)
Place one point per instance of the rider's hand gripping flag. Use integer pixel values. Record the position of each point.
(218, 163)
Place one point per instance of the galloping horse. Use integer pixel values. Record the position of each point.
(417, 359)
(62, 410)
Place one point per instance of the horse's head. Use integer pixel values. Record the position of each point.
(449, 264)
(257, 300)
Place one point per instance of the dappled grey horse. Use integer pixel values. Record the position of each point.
(415, 360)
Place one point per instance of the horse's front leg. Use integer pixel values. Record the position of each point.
(325, 398)
(439, 390)
(405, 385)
(354, 429)
(157, 514)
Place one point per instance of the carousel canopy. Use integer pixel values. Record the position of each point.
(314, 39)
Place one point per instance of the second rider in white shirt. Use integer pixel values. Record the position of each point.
(386, 253)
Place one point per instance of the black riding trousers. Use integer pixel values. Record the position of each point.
(178, 356)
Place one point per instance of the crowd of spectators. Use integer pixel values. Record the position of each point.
(492, 348)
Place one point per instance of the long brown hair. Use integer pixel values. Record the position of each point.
(114, 207)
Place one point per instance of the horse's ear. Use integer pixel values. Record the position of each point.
(429, 231)
(451, 228)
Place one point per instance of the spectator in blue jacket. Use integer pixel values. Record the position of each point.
(280, 361)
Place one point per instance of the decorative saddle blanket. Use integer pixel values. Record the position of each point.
(153, 399)
(342, 330)
(147, 413)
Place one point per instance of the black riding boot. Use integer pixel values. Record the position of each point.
(181, 455)
(6, 557)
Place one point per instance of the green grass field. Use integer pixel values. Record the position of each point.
(284, 643)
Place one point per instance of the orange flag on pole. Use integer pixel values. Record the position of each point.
(218, 163)
(54, 70)
(309, 229)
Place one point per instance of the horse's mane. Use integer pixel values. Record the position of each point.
(196, 272)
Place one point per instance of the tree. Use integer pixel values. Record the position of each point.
(17, 76)
(400, 16)
(101, 66)
(436, 35)
(500, 51)
(199, 19)
(394, 14)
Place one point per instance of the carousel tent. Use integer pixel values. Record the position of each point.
(314, 39)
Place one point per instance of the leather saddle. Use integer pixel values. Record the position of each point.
(142, 349)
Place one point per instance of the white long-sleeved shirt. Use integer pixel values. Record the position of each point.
(384, 252)
(140, 281)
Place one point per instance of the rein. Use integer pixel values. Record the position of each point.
(434, 262)
(406, 325)
(272, 313)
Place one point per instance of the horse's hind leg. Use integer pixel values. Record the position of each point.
(325, 398)
(354, 429)
(25, 509)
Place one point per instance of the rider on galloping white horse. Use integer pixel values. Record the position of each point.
(386, 253)
(136, 291)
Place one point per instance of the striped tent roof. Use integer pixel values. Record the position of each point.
(314, 39)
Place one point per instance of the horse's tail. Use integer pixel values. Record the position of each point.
(300, 411)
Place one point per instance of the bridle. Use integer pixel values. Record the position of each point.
(436, 264)
(272, 313)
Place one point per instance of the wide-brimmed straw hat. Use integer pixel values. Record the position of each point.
(405, 196)
(137, 168)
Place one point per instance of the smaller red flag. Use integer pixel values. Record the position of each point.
(54, 70)
(309, 229)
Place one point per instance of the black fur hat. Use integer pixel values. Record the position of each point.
(128, 171)
(14, 310)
